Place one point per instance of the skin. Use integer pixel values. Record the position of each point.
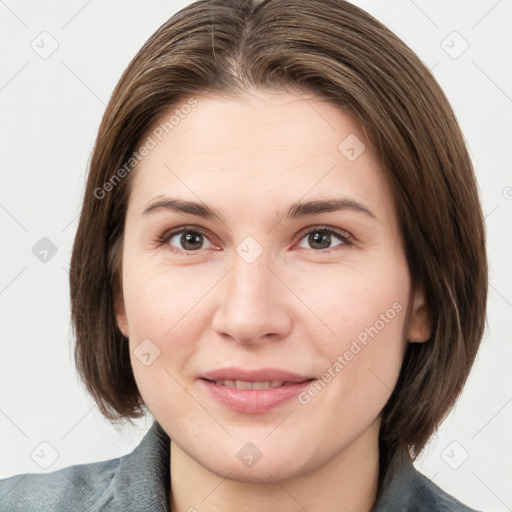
(293, 307)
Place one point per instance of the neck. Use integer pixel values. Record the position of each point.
(348, 482)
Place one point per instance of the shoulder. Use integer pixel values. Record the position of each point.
(405, 489)
(137, 481)
(429, 496)
(78, 487)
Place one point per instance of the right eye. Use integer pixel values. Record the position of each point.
(185, 239)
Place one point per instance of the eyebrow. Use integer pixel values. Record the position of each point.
(296, 210)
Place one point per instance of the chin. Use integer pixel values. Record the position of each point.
(258, 463)
(271, 470)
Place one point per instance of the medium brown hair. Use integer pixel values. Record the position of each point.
(341, 53)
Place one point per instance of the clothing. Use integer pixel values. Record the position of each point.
(139, 482)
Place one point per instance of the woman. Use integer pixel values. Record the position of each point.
(280, 256)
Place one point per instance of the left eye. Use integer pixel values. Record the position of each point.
(188, 240)
(321, 238)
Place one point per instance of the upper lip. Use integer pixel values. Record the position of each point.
(259, 375)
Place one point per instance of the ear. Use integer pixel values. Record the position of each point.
(420, 328)
(120, 311)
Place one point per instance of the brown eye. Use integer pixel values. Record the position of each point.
(188, 240)
(324, 238)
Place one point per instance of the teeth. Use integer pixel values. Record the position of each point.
(260, 385)
(241, 384)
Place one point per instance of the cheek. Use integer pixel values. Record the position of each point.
(353, 303)
(162, 303)
(165, 320)
(364, 348)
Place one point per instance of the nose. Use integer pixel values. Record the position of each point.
(253, 304)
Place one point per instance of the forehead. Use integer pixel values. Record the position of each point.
(290, 124)
(277, 146)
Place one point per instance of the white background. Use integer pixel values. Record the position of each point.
(50, 112)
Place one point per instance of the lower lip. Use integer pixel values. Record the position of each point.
(254, 401)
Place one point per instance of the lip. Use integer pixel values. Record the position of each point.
(253, 401)
(260, 375)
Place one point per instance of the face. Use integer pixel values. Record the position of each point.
(265, 336)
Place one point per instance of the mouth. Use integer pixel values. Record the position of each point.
(253, 391)
(231, 376)
(244, 384)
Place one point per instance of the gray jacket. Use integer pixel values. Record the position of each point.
(139, 482)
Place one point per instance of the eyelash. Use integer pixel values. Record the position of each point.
(345, 237)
